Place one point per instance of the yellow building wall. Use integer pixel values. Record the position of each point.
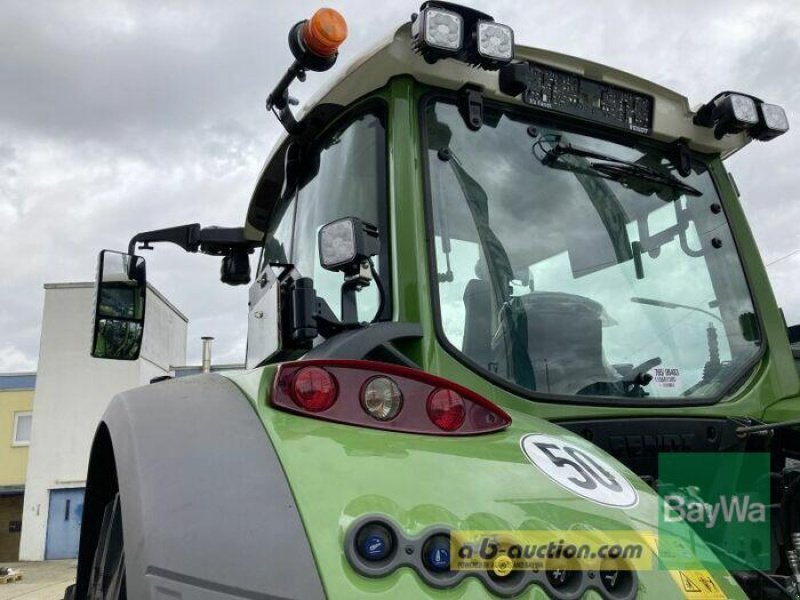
(13, 459)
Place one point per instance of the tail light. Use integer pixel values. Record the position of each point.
(314, 389)
(383, 396)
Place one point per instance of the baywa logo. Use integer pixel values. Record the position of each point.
(714, 509)
(736, 509)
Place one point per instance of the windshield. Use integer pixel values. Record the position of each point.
(571, 265)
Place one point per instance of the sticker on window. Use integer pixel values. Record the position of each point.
(666, 378)
(580, 471)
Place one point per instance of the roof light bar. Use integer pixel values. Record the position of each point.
(731, 112)
(728, 113)
(447, 30)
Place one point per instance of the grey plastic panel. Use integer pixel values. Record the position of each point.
(207, 510)
(408, 553)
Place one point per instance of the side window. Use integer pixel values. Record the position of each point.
(278, 244)
(345, 175)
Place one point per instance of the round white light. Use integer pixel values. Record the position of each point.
(381, 398)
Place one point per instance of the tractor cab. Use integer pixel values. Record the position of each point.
(466, 237)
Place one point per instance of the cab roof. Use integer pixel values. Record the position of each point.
(395, 56)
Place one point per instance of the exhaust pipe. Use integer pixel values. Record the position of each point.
(207, 353)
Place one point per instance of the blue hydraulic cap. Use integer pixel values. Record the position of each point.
(374, 542)
(374, 547)
(436, 553)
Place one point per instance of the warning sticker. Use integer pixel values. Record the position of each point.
(666, 377)
(698, 585)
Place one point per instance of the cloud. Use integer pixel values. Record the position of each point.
(121, 116)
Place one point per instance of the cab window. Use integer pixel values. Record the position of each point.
(344, 174)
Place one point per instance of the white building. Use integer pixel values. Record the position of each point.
(72, 392)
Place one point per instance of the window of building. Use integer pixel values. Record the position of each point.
(22, 429)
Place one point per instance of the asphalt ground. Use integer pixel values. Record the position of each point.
(44, 580)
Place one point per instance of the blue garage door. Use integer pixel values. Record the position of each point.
(64, 523)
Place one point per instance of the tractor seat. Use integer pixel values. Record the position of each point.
(565, 341)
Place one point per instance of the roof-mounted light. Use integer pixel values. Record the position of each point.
(324, 32)
(447, 30)
(773, 122)
(443, 29)
(728, 112)
(495, 42)
(438, 33)
(315, 46)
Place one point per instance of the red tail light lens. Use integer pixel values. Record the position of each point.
(383, 396)
(313, 389)
(446, 409)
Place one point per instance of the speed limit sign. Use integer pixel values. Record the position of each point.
(580, 471)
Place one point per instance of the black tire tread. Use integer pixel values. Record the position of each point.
(107, 580)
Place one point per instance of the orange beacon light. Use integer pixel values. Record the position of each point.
(324, 32)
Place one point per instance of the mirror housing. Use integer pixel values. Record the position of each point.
(235, 269)
(120, 294)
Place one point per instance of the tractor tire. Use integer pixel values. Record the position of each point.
(107, 579)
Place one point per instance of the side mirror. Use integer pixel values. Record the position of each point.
(120, 294)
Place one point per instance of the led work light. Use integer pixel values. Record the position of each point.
(446, 30)
(495, 41)
(346, 243)
(772, 124)
(439, 29)
(730, 112)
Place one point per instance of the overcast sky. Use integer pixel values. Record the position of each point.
(118, 117)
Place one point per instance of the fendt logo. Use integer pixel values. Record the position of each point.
(730, 509)
(710, 503)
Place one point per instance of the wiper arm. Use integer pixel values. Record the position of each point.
(620, 170)
(611, 167)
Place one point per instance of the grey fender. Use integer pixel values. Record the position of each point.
(207, 511)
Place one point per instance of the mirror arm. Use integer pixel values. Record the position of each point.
(216, 241)
(219, 241)
(185, 236)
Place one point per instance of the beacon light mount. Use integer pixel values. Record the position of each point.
(314, 44)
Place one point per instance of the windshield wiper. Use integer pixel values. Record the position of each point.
(610, 167)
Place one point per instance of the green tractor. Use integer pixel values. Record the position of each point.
(497, 287)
